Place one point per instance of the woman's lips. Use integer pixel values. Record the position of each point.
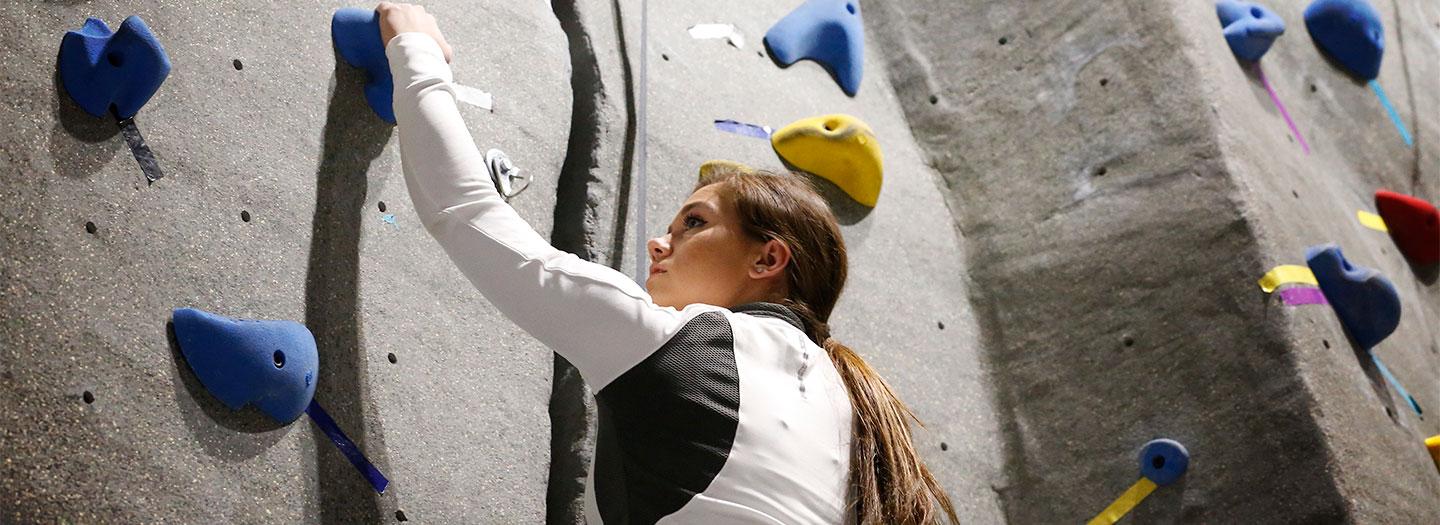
(656, 269)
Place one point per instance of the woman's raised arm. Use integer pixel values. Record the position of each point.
(593, 315)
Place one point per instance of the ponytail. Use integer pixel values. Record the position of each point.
(888, 481)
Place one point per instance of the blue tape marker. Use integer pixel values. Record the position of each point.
(741, 128)
(389, 218)
(1395, 383)
(347, 447)
(1394, 117)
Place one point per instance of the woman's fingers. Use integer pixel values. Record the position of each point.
(407, 18)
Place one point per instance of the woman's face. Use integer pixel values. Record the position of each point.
(706, 257)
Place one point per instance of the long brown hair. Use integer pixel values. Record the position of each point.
(888, 481)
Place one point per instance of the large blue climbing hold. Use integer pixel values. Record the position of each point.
(829, 32)
(356, 33)
(1364, 300)
(270, 364)
(1350, 32)
(1163, 461)
(1249, 28)
(123, 69)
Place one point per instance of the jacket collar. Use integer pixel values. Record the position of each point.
(778, 311)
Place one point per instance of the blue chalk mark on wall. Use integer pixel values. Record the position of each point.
(123, 69)
(1395, 382)
(352, 452)
(356, 34)
(1249, 28)
(829, 32)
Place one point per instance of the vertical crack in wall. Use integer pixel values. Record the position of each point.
(627, 160)
(575, 224)
(1415, 131)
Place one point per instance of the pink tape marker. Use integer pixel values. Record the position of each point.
(1276, 99)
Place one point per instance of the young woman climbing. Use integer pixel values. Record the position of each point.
(722, 397)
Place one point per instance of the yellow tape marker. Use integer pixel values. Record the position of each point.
(1122, 505)
(1433, 443)
(1372, 221)
(1287, 274)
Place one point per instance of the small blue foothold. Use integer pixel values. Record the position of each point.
(829, 32)
(271, 364)
(125, 68)
(1364, 300)
(1350, 32)
(356, 34)
(1163, 461)
(1249, 28)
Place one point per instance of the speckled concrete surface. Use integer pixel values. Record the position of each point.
(1079, 197)
(1120, 184)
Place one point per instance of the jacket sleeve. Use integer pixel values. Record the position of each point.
(594, 316)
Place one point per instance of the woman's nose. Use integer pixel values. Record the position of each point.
(659, 247)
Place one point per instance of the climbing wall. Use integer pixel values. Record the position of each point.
(1079, 198)
(1120, 182)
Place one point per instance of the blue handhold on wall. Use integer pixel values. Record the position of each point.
(100, 68)
(356, 34)
(1249, 28)
(1350, 32)
(271, 364)
(1364, 300)
(829, 32)
(1163, 461)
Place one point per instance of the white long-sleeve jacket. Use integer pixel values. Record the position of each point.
(707, 414)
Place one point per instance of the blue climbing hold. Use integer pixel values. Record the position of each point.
(1249, 28)
(1350, 32)
(829, 32)
(356, 33)
(100, 69)
(271, 364)
(1364, 300)
(1163, 461)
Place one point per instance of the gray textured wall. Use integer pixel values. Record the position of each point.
(1082, 314)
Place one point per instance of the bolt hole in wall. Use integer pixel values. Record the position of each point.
(1104, 82)
(1101, 171)
(940, 324)
(238, 65)
(1313, 88)
(665, 57)
(1127, 341)
(400, 516)
(90, 228)
(391, 357)
(1325, 342)
(1004, 40)
(934, 99)
(1295, 193)
(88, 397)
(944, 446)
(244, 215)
(382, 206)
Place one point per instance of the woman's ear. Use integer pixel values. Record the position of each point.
(771, 260)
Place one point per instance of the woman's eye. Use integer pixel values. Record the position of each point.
(693, 221)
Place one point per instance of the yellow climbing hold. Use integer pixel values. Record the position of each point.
(712, 166)
(1433, 443)
(837, 148)
(1125, 503)
(1370, 220)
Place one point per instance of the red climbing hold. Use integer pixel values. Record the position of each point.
(1413, 223)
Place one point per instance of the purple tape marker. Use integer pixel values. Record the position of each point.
(1300, 296)
(741, 128)
(1276, 99)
